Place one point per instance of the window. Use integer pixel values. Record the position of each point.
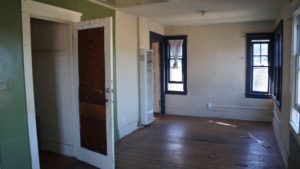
(259, 47)
(176, 65)
(294, 120)
(277, 64)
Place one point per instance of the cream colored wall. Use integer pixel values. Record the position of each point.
(52, 80)
(127, 72)
(282, 117)
(132, 33)
(145, 26)
(216, 72)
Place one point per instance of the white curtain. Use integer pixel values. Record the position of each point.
(175, 51)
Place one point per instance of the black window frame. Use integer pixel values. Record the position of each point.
(249, 64)
(184, 65)
(277, 64)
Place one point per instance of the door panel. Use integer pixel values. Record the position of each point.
(92, 96)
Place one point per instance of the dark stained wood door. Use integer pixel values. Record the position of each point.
(92, 96)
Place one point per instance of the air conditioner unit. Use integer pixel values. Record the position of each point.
(146, 86)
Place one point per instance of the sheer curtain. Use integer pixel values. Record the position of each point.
(175, 51)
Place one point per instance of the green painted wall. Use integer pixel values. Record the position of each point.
(14, 142)
(91, 11)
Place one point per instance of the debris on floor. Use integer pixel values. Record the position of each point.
(261, 142)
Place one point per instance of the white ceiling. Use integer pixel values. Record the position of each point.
(185, 12)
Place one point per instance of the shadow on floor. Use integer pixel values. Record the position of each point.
(55, 161)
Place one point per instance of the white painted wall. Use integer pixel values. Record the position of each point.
(127, 72)
(145, 26)
(52, 81)
(216, 72)
(281, 117)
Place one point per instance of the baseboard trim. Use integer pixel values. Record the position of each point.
(234, 115)
(57, 147)
(128, 129)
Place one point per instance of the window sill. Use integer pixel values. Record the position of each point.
(295, 127)
(258, 96)
(295, 131)
(176, 93)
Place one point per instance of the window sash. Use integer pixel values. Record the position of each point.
(176, 86)
(170, 69)
(295, 116)
(268, 80)
(259, 52)
(297, 84)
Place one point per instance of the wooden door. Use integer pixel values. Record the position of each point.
(92, 96)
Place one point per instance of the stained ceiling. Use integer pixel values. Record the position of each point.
(200, 12)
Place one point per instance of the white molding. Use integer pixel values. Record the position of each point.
(95, 23)
(248, 115)
(57, 147)
(41, 10)
(32, 9)
(96, 159)
(128, 129)
(31, 116)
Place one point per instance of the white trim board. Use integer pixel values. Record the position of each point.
(57, 147)
(32, 9)
(41, 10)
(283, 151)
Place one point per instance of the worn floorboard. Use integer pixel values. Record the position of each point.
(176, 142)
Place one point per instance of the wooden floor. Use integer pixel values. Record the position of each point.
(174, 142)
(56, 161)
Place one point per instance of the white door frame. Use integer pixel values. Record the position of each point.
(33, 9)
(106, 161)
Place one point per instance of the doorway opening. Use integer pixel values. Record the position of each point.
(56, 33)
(157, 44)
(52, 78)
(156, 77)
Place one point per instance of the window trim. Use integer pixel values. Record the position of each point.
(249, 67)
(184, 65)
(277, 65)
(295, 55)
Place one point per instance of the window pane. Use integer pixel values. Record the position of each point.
(256, 49)
(264, 61)
(298, 87)
(176, 48)
(176, 72)
(175, 87)
(298, 39)
(298, 80)
(256, 61)
(260, 79)
(264, 49)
